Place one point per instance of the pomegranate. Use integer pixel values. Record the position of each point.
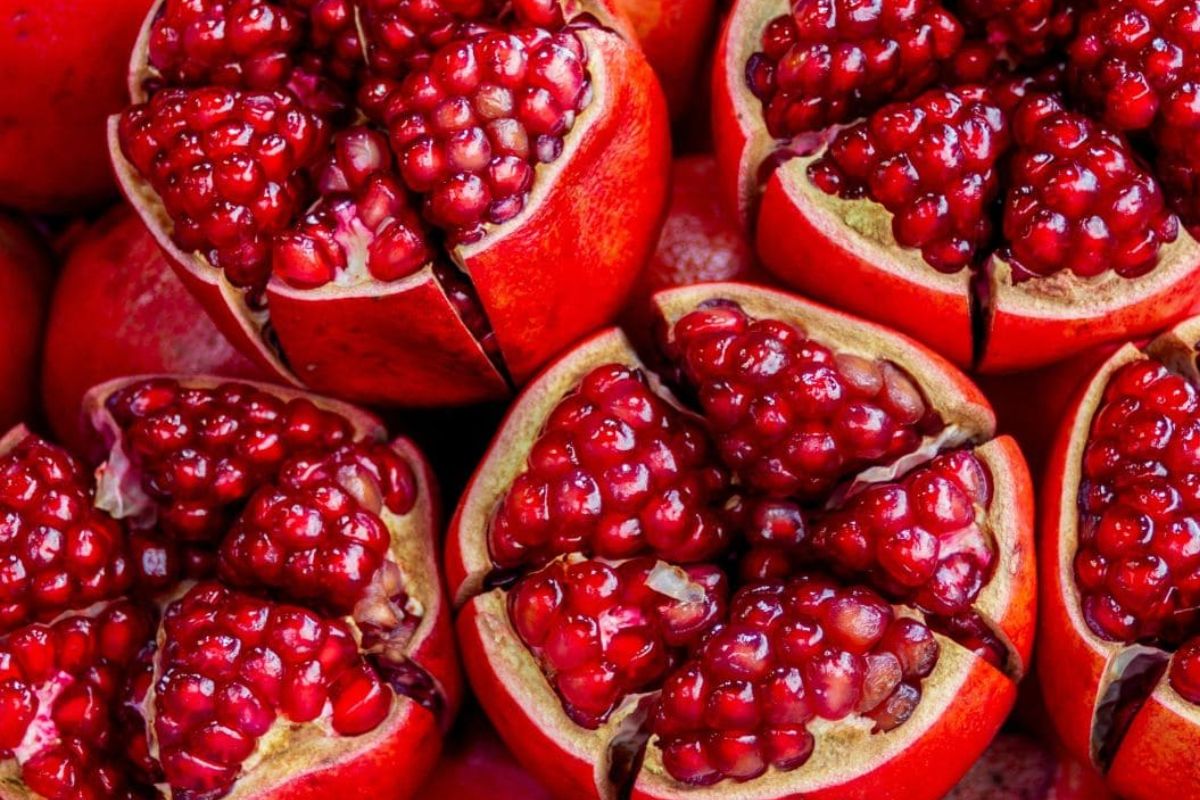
(676, 35)
(244, 601)
(1119, 549)
(26, 275)
(967, 171)
(474, 757)
(346, 185)
(118, 309)
(62, 72)
(808, 577)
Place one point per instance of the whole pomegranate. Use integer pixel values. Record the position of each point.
(118, 309)
(1009, 182)
(401, 203)
(676, 35)
(62, 72)
(813, 576)
(1121, 560)
(26, 275)
(243, 601)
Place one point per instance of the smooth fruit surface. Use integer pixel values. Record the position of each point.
(26, 276)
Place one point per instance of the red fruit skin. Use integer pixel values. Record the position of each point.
(474, 757)
(118, 309)
(62, 72)
(557, 271)
(26, 276)
(674, 35)
(699, 242)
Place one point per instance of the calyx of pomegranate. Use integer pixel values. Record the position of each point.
(970, 175)
(403, 205)
(272, 618)
(819, 557)
(1121, 553)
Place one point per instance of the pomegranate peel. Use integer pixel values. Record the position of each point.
(589, 416)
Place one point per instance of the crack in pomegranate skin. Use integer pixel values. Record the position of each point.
(931, 162)
(603, 632)
(232, 664)
(201, 452)
(57, 551)
(1137, 565)
(58, 682)
(616, 472)
(316, 534)
(828, 61)
(788, 653)
(790, 415)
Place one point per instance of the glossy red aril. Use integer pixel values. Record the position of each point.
(831, 469)
(1122, 561)
(347, 185)
(968, 179)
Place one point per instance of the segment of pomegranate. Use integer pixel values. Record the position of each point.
(59, 682)
(280, 149)
(57, 552)
(998, 218)
(601, 672)
(1122, 553)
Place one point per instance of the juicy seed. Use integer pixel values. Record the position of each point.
(1078, 198)
(231, 664)
(470, 128)
(790, 415)
(789, 652)
(1184, 673)
(202, 452)
(829, 61)
(616, 472)
(229, 166)
(1138, 561)
(932, 162)
(604, 632)
(57, 551)
(1029, 29)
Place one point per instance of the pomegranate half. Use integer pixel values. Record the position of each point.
(954, 171)
(397, 203)
(243, 602)
(1121, 556)
(811, 577)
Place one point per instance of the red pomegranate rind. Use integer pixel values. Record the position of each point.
(532, 315)
(1157, 753)
(57, 683)
(604, 632)
(59, 552)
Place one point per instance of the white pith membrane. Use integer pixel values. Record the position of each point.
(603, 36)
(842, 748)
(401, 612)
(1124, 676)
(861, 228)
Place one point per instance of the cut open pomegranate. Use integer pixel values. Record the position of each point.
(245, 603)
(810, 574)
(398, 203)
(971, 173)
(1121, 552)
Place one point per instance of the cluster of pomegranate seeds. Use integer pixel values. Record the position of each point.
(1078, 198)
(57, 551)
(402, 34)
(469, 129)
(317, 534)
(229, 166)
(363, 226)
(231, 663)
(1028, 29)
(829, 61)
(616, 472)
(1138, 561)
(58, 683)
(921, 538)
(788, 653)
(201, 451)
(932, 162)
(603, 632)
(790, 415)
